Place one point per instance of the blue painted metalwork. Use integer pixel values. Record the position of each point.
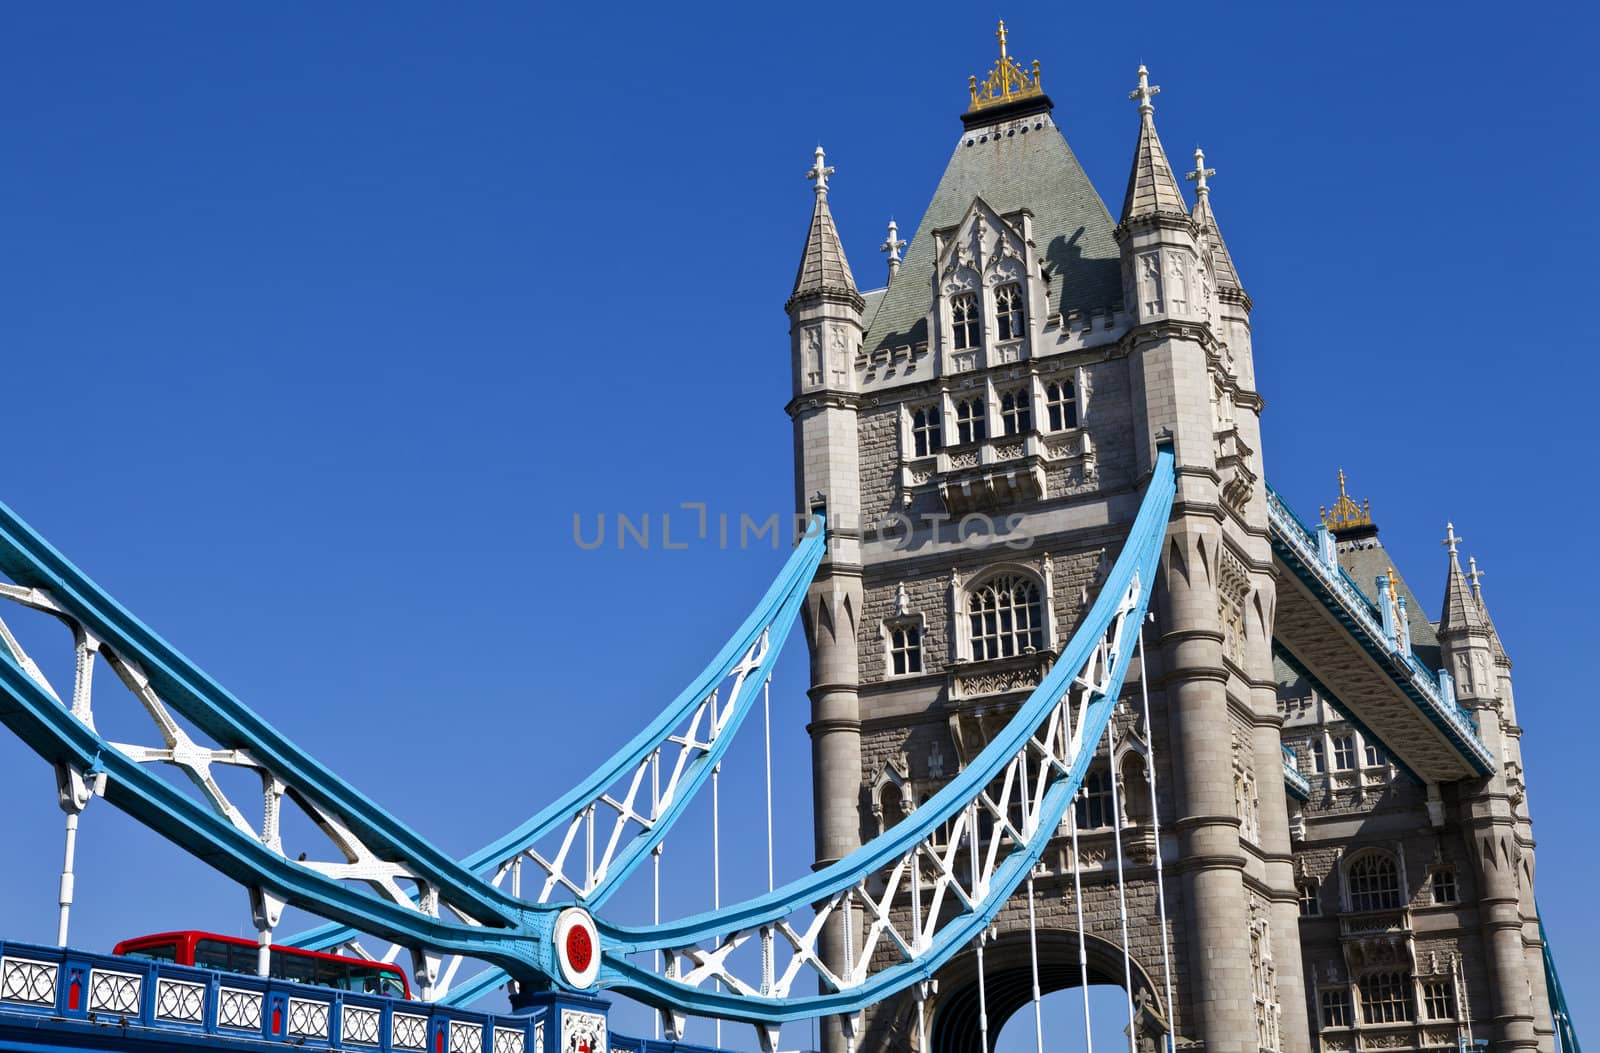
(1297, 784)
(1301, 551)
(1133, 573)
(1566, 1034)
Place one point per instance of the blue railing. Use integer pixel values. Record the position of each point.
(67, 990)
(1356, 610)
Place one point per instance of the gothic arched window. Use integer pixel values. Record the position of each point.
(964, 320)
(1093, 807)
(1016, 411)
(972, 420)
(1374, 882)
(1385, 998)
(1010, 317)
(925, 430)
(1061, 404)
(1005, 617)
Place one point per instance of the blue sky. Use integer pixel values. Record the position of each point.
(322, 323)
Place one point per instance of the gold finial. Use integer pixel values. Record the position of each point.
(1007, 82)
(1346, 515)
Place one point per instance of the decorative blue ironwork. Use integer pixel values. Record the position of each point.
(1566, 1034)
(1297, 784)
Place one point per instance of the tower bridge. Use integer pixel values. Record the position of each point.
(1179, 740)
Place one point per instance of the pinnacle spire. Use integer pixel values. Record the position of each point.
(1462, 611)
(1206, 220)
(1475, 575)
(1152, 188)
(824, 271)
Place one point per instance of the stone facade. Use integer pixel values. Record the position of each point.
(987, 422)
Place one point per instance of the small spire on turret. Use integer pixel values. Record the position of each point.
(1152, 188)
(824, 271)
(1451, 540)
(819, 172)
(892, 246)
(1473, 574)
(1206, 220)
(1462, 610)
(1198, 177)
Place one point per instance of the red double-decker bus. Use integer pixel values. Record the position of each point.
(230, 954)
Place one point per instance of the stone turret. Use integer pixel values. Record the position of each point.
(825, 327)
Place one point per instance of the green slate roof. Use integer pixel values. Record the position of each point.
(1035, 170)
(1365, 565)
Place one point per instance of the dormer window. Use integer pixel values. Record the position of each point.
(964, 320)
(1010, 318)
(1016, 415)
(1061, 405)
(972, 420)
(926, 430)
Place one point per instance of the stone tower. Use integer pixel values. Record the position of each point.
(979, 431)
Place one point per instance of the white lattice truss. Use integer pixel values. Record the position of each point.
(916, 906)
(576, 862)
(179, 749)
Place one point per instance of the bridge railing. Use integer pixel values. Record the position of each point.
(1297, 783)
(118, 994)
(1316, 557)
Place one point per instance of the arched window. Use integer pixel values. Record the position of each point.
(925, 430)
(1010, 318)
(972, 420)
(1385, 998)
(891, 804)
(964, 320)
(1094, 809)
(1016, 411)
(1005, 618)
(1061, 405)
(1374, 882)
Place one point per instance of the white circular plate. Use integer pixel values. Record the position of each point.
(577, 948)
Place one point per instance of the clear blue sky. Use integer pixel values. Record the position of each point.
(321, 322)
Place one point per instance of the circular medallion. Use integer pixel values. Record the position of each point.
(577, 948)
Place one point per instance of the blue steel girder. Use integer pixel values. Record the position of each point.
(1328, 631)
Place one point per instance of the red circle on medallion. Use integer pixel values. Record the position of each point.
(580, 949)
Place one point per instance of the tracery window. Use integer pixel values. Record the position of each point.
(972, 420)
(1336, 1007)
(1061, 405)
(926, 427)
(1093, 809)
(964, 320)
(1010, 318)
(905, 649)
(1438, 998)
(1385, 998)
(1005, 617)
(1374, 883)
(1016, 411)
(1344, 752)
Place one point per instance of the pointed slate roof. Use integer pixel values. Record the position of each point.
(1152, 188)
(1012, 164)
(1462, 612)
(823, 267)
(1227, 276)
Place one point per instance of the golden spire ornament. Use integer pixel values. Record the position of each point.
(1007, 82)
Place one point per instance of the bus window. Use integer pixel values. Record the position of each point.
(227, 957)
(158, 952)
(295, 967)
(376, 981)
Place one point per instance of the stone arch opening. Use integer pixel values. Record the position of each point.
(1008, 983)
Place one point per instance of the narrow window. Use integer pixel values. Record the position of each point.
(1309, 905)
(1319, 756)
(1094, 801)
(972, 424)
(1374, 883)
(1009, 316)
(1438, 999)
(925, 430)
(1344, 752)
(1444, 885)
(964, 320)
(1385, 998)
(1061, 405)
(1005, 618)
(1373, 756)
(1336, 1008)
(905, 649)
(1016, 413)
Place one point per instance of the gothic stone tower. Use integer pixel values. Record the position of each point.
(980, 431)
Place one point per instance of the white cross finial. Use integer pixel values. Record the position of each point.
(1145, 91)
(1473, 573)
(819, 173)
(1451, 540)
(893, 246)
(1200, 173)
